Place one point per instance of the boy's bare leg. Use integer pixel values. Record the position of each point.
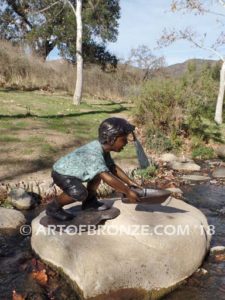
(54, 209)
(91, 201)
(64, 199)
(92, 187)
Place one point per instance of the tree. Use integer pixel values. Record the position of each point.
(79, 81)
(42, 31)
(41, 35)
(200, 7)
(143, 58)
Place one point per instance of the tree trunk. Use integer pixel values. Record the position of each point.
(219, 105)
(79, 81)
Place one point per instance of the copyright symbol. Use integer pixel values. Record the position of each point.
(25, 229)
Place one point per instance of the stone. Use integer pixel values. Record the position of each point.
(175, 191)
(143, 252)
(168, 157)
(217, 249)
(194, 177)
(219, 172)
(201, 271)
(20, 199)
(11, 218)
(184, 166)
(220, 151)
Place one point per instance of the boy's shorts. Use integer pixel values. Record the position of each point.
(71, 185)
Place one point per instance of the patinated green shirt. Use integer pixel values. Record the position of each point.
(85, 162)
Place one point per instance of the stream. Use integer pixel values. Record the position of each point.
(209, 199)
(18, 263)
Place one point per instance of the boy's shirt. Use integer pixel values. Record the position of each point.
(85, 162)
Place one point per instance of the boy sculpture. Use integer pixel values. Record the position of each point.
(92, 163)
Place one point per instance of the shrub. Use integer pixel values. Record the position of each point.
(172, 109)
(203, 152)
(145, 174)
(158, 141)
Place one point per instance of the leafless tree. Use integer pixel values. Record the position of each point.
(200, 7)
(143, 58)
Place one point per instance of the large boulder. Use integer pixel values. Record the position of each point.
(11, 218)
(145, 251)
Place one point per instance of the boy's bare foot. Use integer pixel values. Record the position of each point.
(55, 211)
(94, 203)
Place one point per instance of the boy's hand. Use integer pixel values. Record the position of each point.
(135, 185)
(132, 197)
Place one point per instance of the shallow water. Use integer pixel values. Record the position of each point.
(17, 261)
(209, 199)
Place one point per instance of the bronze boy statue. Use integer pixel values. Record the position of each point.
(92, 163)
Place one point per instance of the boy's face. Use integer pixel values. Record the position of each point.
(120, 143)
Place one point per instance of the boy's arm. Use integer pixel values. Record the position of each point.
(118, 172)
(119, 185)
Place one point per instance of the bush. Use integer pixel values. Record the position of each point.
(158, 141)
(203, 152)
(145, 174)
(172, 109)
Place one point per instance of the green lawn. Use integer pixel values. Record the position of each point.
(36, 129)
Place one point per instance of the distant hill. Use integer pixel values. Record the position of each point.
(178, 70)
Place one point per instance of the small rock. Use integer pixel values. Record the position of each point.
(217, 249)
(202, 271)
(20, 199)
(175, 190)
(184, 166)
(222, 210)
(10, 218)
(219, 173)
(168, 157)
(213, 181)
(195, 177)
(220, 151)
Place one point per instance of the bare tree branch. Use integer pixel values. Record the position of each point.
(46, 8)
(222, 2)
(72, 7)
(92, 5)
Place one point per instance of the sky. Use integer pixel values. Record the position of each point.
(142, 23)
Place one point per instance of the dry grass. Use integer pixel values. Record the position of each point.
(25, 72)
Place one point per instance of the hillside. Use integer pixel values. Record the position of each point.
(177, 70)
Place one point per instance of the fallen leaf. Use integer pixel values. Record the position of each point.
(16, 296)
(40, 276)
(220, 257)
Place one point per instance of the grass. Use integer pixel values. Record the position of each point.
(36, 129)
(9, 139)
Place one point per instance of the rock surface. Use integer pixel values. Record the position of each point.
(175, 191)
(20, 199)
(217, 249)
(144, 251)
(168, 157)
(195, 177)
(220, 151)
(184, 166)
(11, 218)
(219, 172)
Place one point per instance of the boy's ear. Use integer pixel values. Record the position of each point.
(110, 141)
